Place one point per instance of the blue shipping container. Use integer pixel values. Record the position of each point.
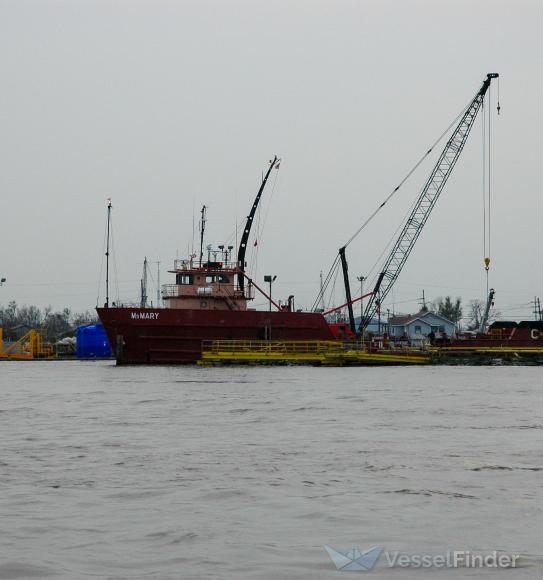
(92, 342)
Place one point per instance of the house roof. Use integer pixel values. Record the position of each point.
(373, 321)
(409, 318)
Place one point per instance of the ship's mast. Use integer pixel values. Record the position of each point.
(143, 299)
(107, 251)
(202, 230)
(158, 283)
(245, 237)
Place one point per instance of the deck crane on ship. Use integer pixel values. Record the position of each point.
(425, 202)
(419, 215)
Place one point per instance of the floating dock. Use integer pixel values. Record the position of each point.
(312, 352)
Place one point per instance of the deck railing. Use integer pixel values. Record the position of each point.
(172, 290)
(291, 346)
(186, 264)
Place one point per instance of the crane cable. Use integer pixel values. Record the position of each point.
(385, 201)
(486, 258)
(487, 198)
(487, 203)
(323, 288)
(409, 174)
(395, 190)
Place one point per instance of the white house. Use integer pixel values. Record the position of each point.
(418, 327)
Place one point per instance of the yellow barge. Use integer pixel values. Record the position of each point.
(314, 352)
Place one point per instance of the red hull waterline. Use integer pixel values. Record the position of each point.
(169, 335)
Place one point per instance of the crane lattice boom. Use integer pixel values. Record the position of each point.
(425, 203)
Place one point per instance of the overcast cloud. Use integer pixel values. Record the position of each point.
(165, 106)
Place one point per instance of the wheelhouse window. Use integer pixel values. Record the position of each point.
(184, 279)
(221, 278)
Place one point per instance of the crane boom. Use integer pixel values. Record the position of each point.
(247, 230)
(489, 303)
(425, 203)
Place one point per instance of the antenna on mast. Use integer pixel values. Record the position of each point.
(107, 250)
(143, 300)
(158, 284)
(202, 230)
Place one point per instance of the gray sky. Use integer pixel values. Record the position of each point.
(165, 106)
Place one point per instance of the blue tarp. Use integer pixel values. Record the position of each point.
(92, 342)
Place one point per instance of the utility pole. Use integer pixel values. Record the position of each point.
(361, 279)
(388, 323)
(422, 302)
(537, 309)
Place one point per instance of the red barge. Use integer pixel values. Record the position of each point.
(517, 339)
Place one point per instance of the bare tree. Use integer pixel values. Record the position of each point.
(476, 313)
(54, 325)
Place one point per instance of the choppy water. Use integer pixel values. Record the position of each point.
(234, 473)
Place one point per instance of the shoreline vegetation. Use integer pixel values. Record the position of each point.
(53, 325)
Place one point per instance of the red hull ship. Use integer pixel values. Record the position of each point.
(208, 301)
(167, 335)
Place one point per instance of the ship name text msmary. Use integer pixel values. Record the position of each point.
(144, 315)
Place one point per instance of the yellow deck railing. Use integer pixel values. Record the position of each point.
(305, 351)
